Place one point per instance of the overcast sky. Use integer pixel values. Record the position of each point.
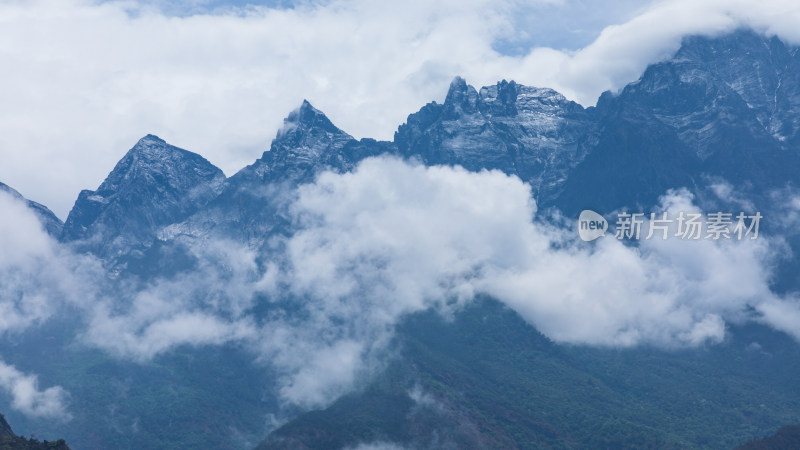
(82, 80)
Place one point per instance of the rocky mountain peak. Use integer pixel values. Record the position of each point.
(153, 185)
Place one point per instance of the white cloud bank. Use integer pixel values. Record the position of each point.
(392, 238)
(374, 245)
(82, 80)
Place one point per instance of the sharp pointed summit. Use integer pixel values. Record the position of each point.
(308, 143)
(251, 202)
(153, 185)
(307, 134)
(308, 116)
(461, 99)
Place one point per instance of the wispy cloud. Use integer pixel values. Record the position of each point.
(26, 397)
(38, 275)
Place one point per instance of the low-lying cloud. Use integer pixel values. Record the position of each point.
(37, 275)
(208, 305)
(392, 238)
(387, 240)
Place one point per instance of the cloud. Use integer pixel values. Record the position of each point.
(26, 397)
(85, 80)
(38, 276)
(131, 337)
(374, 245)
(782, 314)
(665, 292)
(25, 246)
(393, 238)
(38, 279)
(207, 305)
(41, 278)
(787, 201)
(726, 192)
(316, 369)
(379, 445)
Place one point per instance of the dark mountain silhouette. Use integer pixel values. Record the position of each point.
(10, 441)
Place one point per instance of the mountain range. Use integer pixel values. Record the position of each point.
(721, 109)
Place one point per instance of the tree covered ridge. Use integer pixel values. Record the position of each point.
(10, 441)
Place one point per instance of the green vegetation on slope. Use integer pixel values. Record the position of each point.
(489, 380)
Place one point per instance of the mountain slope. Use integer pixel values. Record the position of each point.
(489, 380)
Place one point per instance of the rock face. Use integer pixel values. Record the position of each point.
(50, 222)
(153, 185)
(534, 133)
(719, 108)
